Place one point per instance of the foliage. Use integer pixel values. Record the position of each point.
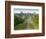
(21, 23)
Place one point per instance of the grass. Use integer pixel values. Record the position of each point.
(31, 22)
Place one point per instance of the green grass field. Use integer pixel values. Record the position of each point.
(26, 21)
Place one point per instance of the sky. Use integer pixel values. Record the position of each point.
(18, 10)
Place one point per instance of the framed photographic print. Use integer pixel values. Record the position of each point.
(24, 19)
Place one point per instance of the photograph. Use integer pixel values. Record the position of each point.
(25, 19)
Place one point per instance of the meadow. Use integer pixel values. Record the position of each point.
(26, 21)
